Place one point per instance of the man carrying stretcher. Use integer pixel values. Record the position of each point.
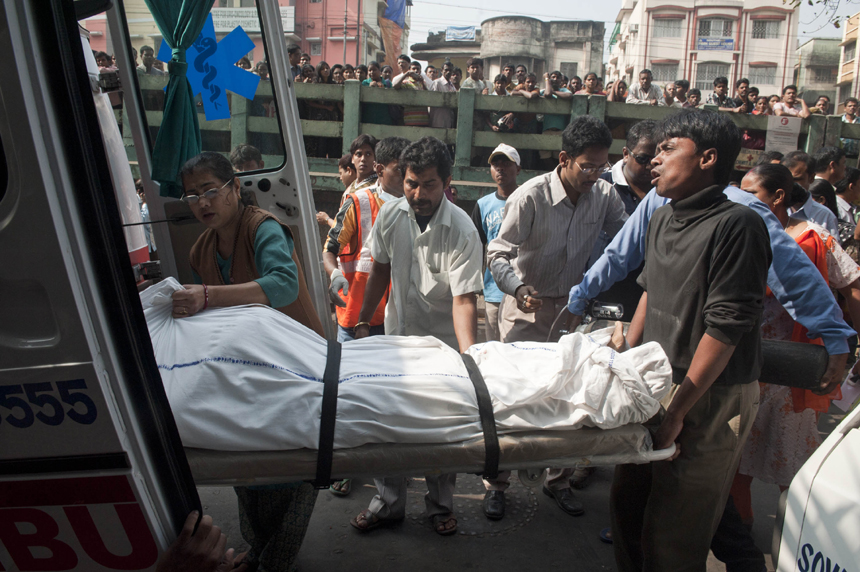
(430, 253)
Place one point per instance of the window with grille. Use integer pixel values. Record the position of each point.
(765, 29)
(762, 75)
(715, 28)
(316, 49)
(664, 72)
(823, 75)
(707, 72)
(850, 50)
(667, 28)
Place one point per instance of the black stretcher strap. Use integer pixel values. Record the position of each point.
(328, 414)
(488, 421)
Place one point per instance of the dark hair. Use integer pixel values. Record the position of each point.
(144, 48)
(387, 66)
(826, 155)
(641, 131)
(792, 159)
(822, 96)
(457, 70)
(318, 76)
(415, 63)
(210, 161)
(390, 149)
(683, 83)
(825, 192)
(430, 66)
(774, 177)
(591, 74)
(694, 91)
(525, 69)
(501, 78)
(244, 59)
(293, 48)
(558, 72)
(754, 89)
(646, 70)
(576, 77)
(531, 75)
(708, 130)
(304, 54)
(308, 67)
(336, 66)
(426, 153)
(509, 65)
(583, 132)
(789, 86)
(345, 162)
(373, 64)
(768, 157)
(360, 141)
(762, 98)
(362, 68)
(852, 175)
(851, 100)
(477, 62)
(404, 57)
(244, 153)
(720, 80)
(348, 67)
(741, 81)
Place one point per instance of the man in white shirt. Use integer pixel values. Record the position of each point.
(404, 62)
(802, 169)
(645, 93)
(430, 253)
(443, 117)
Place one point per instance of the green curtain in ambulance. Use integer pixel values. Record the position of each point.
(180, 22)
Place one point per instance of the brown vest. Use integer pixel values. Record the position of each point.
(243, 268)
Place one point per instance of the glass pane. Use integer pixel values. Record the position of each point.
(233, 108)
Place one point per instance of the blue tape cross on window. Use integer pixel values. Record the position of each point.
(211, 69)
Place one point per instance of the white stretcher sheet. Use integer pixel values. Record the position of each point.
(249, 378)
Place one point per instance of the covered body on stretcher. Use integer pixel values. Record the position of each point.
(245, 387)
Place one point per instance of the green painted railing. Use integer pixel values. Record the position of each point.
(253, 121)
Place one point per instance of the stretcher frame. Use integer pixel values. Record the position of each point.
(528, 450)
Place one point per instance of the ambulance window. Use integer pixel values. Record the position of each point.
(234, 108)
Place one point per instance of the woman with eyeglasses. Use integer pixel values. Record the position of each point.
(246, 256)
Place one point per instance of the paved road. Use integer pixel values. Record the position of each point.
(534, 532)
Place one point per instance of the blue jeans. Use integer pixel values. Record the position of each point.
(348, 334)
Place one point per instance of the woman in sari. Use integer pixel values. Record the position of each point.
(246, 256)
(785, 431)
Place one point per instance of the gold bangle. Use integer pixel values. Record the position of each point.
(362, 324)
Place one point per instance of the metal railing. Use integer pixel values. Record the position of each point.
(252, 121)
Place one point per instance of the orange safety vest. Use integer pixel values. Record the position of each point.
(355, 264)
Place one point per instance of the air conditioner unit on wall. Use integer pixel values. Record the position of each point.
(634, 28)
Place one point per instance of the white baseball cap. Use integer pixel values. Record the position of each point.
(507, 151)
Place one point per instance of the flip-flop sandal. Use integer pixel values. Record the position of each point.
(372, 521)
(344, 490)
(444, 519)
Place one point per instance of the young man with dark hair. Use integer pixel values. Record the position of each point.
(475, 69)
(664, 514)
(363, 151)
(822, 105)
(682, 86)
(742, 91)
(519, 78)
(575, 84)
(346, 173)
(508, 72)
(376, 113)
(361, 72)
(550, 226)
(348, 72)
(337, 74)
(768, 157)
(443, 117)
(428, 250)
(431, 72)
(246, 158)
(850, 108)
(829, 170)
(720, 96)
(305, 60)
(694, 98)
(791, 105)
(645, 93)
(147, 67)
(294, 53)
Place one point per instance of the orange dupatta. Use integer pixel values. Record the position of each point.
(816, 249)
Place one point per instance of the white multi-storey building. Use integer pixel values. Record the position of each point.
(699, 40)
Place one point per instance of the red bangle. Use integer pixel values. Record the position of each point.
(206, 294)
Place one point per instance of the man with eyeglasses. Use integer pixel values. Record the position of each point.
(548, 232)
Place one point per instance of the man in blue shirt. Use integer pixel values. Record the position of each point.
(487, 216)
(793, 279)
